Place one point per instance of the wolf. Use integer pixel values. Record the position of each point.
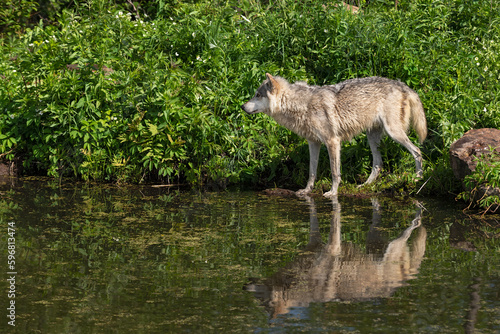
(334, 113)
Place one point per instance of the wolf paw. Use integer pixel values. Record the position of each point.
(303, 192)
(330, 194)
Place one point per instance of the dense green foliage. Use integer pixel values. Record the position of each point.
(487, 174)
(121, 93)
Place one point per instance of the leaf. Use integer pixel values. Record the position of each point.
(153, 129)
(81, 103)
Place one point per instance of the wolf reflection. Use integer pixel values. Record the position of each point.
(341, 270)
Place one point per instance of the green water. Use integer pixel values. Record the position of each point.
(142, 259)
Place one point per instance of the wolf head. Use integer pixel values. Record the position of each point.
(264, 97)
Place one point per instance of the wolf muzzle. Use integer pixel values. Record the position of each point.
(244, 107)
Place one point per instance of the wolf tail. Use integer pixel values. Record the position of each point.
(418, 120)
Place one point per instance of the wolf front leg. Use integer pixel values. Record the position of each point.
(333, 146)
(314, 148)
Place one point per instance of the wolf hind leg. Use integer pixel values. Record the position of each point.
(374, 137)
(314, 148)
(401, 137)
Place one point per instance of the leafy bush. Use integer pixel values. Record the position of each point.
(127, 94)
(17, 15)
(486, 175)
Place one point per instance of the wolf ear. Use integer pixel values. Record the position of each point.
(273, 84)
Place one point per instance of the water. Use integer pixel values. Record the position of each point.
(142, 259)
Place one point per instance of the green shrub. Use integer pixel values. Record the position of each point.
(114, 93)
(486, 175)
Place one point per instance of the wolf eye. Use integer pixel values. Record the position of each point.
(257, 95)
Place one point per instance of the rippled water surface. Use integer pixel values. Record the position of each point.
(143, 259)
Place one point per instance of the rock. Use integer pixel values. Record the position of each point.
(472, 145)
(279, 192)
(465, 152)
(9, 168)
(353, 9)
(4, 169)
(487, 191)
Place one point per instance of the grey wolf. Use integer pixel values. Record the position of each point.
(334, 113)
